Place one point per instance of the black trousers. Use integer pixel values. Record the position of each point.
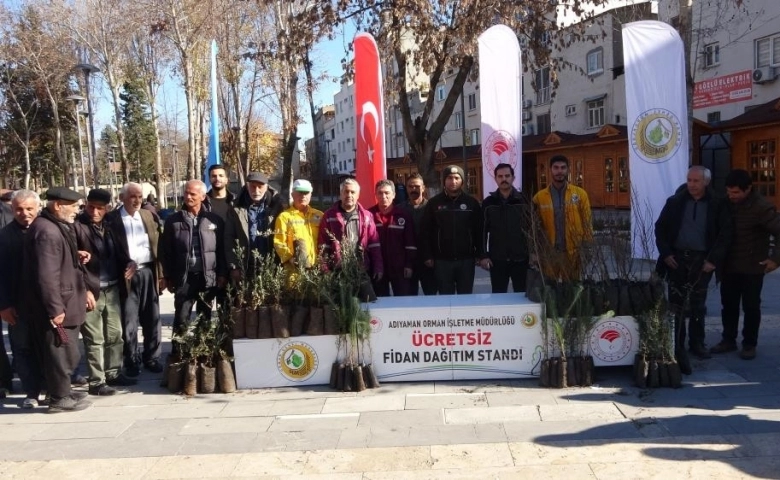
(454, 276)
(744, 288)
(59, 360)
(423, 276)
(687, 296)
(142, 308)
(192, 292)
(401, 286)
(504, 270)
(6, 372)
(27, 356)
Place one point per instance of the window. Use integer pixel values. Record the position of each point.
(399, 142)
(472, 101)
(596, 61)
(711, 55)
(713, 117)
(458, 120)
(543, 123)
(596, 113)
(768, 51)
(579, 178)
(762, 165)
(542, 84)
(623, 183)
(609, 175)
(542, 176)
(571, 110)
(474, 134)
(441, 92)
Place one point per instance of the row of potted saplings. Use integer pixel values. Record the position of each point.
(275, 303)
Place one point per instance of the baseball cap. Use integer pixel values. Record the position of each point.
(302, 185)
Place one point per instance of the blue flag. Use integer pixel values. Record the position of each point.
(213, 158)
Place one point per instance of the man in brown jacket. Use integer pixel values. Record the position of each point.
(747, 261)
(55, 296)
(136, 234)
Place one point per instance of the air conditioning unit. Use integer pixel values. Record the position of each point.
(527, 115)
(764, 75)
(527, 103)
(528, 130)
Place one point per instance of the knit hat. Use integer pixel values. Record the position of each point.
(452, 170)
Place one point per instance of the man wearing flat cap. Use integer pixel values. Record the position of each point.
(55, 296)
(250, 224)
(451, 240)
(297, 228)
(102, 331)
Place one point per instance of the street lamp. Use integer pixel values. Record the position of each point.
(327, 162)
(111, 174)
(88, 70)
(175, 159)
(91, 153)
(77, 99)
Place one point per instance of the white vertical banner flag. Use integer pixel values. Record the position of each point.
(657, 113)
(500, 98)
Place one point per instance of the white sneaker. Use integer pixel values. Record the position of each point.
(29, 403)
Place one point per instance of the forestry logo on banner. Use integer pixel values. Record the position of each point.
(297, 361)
(376, 324)
(529, 320)
(656, 135)
(610, 341)
(500, 148)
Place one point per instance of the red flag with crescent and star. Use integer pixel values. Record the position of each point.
(370, 164)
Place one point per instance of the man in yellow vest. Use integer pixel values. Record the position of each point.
(565, 216)
(296, 230)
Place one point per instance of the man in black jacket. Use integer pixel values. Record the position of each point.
(692, 233)
(26, 205)
(452, 235)
(193, 257)
(102, 330)
(748, 260)
(507, 214)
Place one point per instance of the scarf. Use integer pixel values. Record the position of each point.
(68, 233)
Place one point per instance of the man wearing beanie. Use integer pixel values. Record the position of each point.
(451, 240)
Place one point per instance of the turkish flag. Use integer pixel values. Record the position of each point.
(370, 163)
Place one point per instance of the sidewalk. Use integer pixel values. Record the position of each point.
(724, 423)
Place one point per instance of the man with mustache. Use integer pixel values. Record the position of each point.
(507, 214)
(415, 203)
(564, 212)
(55, 295)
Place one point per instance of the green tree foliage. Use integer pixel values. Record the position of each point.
(139, 130)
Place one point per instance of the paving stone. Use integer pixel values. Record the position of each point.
(189, 411)
(578, 412)
(374, 436)
(210, 426)
(445, 400)
(755, 444)
(278, 441)
(454, 434)
(520, 398)
(553, 472)
(98, 469)
(751, 390)
(403, 418)
(473, 386)
(20, 432)
(551, 431)
(297, 423)
(364, 404)
(141, 430)
(766, 467)
(755, 421)
(698, 424)
(218, 443)
(270, 463)
(490, 415)
(369, 460)
(199, 466)
(23, 469)
(68, 431)
(467, 456)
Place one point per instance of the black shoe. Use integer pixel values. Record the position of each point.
(68, 404)
(78, 395)
(101, 390)
(78, 381)
(153, 366)
(700, 351)
(121, 380)
(132, 370)
(724, 347)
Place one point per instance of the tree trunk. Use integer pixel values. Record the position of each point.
(113, 85)
(189, 89)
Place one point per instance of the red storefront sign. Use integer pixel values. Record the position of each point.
(732, 88)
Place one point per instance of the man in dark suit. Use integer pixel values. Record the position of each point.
(55, 297)
(136, 235)
(193, 254)
(102, 331)
(26, 205)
